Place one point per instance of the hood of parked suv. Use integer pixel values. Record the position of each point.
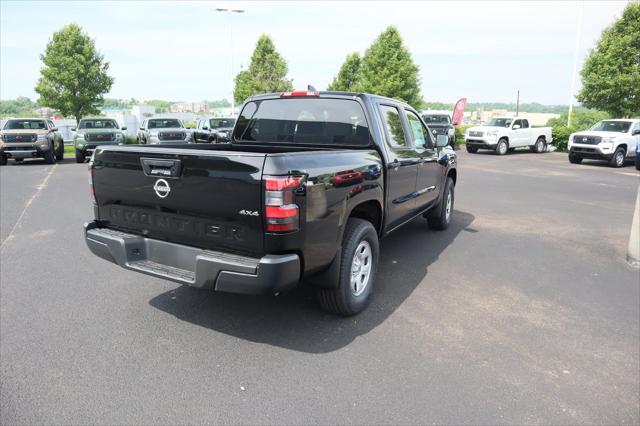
(598, 133)
(93, 131)
(169, 129)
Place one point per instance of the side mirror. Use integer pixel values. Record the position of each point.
(141, 128)
(635, 132)
(205, 128)
(442, 141)
(124, 128)
(55, 129)
(73, 129)
(516, 126)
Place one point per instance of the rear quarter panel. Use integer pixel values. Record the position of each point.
(337, 181)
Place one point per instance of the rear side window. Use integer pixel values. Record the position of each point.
(395, 131)
(303, 121)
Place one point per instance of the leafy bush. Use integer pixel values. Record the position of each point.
(561, 136)
(190, 124)
(581, 119)
(460, 130)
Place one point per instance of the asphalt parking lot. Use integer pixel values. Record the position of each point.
(524, 311)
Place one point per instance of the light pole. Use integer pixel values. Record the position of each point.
(231, 11)
(575, 63)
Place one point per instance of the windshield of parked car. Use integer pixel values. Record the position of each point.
(164, 123)
(303, 121)
(98, 124)
(436, 119)
(612, 126)
(25, 125)
(217, 123)
(499, 122)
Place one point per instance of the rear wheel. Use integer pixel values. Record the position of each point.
(440, 216)
(50, 155)
(358, 263)
(503, 147)
(618, 158)
(472, 149)
(574, 159)
(79, 156)
(3, 160)
(539, 146)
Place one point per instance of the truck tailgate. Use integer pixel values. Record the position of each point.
(200, 198)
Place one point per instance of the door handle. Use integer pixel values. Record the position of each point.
(167, 168)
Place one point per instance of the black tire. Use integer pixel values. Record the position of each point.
(3, 160)
(618, 158)
(19, 160)
(60, 153)
(440, 216)
(574, 159)
(345, 300)
(540, 146)
(472, 149)
(637, 162)
(50, 156)
(79, 156)
(502, 147)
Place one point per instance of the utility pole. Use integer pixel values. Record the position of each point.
(575, 63)
(231, 12)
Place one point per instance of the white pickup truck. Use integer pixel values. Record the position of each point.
(611, 140)
(503, 134)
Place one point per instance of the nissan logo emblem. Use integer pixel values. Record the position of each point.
(584, 139)
(162, 188)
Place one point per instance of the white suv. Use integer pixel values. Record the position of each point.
(611, 140)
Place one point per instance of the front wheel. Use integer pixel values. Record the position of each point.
(50, 156)
(637, 161)
(3, 160)
(618, 158)
(79, 156)
(439, 217)
(472, 149)
(503, 147)
(358, 263)
(574, 159)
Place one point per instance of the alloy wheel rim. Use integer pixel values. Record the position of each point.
(361, 268)
(447, 212)
(619, 158)
(539, 148)
(503, 147)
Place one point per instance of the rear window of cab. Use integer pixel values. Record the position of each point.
(303, 121)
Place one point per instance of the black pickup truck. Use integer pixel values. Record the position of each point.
(307, 186)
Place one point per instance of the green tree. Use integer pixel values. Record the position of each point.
(349, 74)
(74, 78)
(388, 70)
(611, 73)
(266, 73)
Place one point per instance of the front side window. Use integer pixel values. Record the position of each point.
(304, 121)
(612, 126)
(25, 125)
(395, 131)
(499, 122)
(517, 123)
(97, 124)
(421, 138)
(164, 123)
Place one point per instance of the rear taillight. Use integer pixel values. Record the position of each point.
(281, 212)
(91, 191)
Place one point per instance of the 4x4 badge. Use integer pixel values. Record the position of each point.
(162, 188)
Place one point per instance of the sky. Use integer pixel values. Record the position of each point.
(181, 51)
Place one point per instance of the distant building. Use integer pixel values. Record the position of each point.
(195, 107)
(45, 112)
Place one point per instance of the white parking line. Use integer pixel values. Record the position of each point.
(42, 186)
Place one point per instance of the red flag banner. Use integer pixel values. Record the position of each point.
(458, 111)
